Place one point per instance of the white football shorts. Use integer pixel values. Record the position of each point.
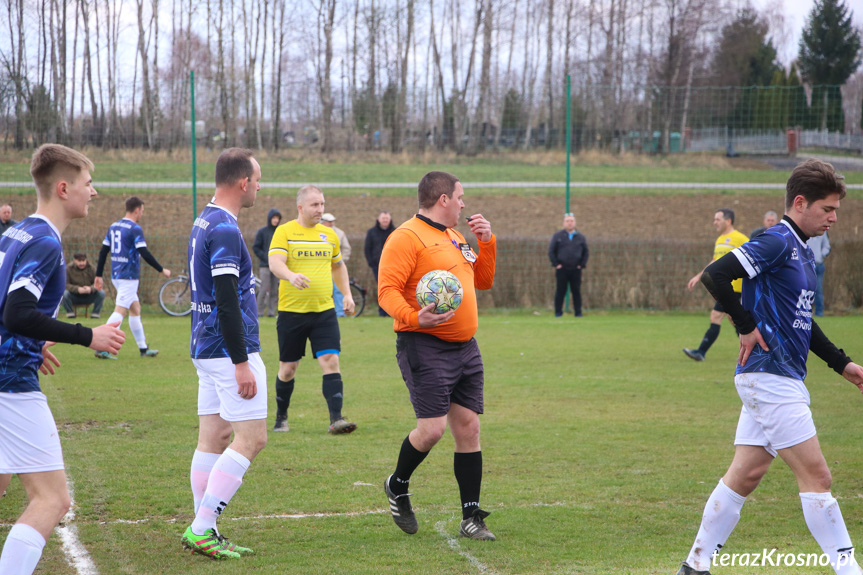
(127, 292)
(775, 413)
(217, 389)
(29, 442)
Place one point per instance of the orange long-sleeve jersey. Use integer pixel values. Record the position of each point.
(418, 247)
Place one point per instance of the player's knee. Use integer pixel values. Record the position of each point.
(822, 479)
(430, 436)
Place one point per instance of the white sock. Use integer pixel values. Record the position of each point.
(22, 550)
(202, 465)
(138, 331)
(225, 479)
(116, 317)
(720, 517)
(824, 519)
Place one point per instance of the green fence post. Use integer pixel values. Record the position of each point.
(194, 150)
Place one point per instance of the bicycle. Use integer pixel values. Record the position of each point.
(175, 296)
(358, 292)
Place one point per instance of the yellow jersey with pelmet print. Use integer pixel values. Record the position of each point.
(419, 246)
(311, 252)
(724, 244)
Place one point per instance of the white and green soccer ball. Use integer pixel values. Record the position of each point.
(441, 288)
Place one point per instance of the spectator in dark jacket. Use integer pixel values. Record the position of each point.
(376, 237)
(268, 293)
(568, 254)
(6, 220)
(81, 287)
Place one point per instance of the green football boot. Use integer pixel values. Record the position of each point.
(208, 544)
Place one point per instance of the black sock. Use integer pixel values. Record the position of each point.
(709, 337)
(284, 390)
(144, 349)
(332, 389)
(468, 474)
(409, 459)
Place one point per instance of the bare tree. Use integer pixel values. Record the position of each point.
(477, 133)
(326, 18)
(400, 123)
(146, 99)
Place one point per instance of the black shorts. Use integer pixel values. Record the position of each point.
(438, 372)
(321, 328)
(718, 306)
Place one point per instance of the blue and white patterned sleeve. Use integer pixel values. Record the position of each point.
(225, 250)
(38, 261)
(761, 254)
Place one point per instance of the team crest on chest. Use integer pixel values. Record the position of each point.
(467, 252)
(323, 237)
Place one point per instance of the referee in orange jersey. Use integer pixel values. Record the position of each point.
(437, 354)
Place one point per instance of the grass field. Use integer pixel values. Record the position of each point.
(601, 444)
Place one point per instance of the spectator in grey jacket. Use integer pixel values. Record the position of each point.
(820, 246)
(568, 254)
(268, 293)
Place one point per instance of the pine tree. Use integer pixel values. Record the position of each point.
(829, 52)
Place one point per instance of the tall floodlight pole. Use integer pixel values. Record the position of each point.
(195, 151)
(568, 136)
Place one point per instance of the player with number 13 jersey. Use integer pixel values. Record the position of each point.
(217, 247)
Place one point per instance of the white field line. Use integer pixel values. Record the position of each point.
(440, 527)
(412, 185)
(76, 554)
(284, 516)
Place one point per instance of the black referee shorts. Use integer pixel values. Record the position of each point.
(438, 372)
(294, 329)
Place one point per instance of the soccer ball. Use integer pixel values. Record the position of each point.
(441, 288)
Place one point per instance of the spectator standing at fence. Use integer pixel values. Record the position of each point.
(568, 254)
(6, 220)
(81, 287)
(32, 279)
(729, 238)
(126, 244)
(771, 218)
(820, 246)
(328, 220)
(268, 293)
(376, 237)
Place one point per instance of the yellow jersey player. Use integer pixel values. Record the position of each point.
(729, 238)
(306, 257)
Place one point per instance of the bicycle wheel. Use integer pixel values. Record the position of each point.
(175, 296)
(359, 295)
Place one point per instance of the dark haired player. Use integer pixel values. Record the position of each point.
(729, 238)
(126, 244)
(225, 349)
(776, 335)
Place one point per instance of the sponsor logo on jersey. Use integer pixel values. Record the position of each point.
(18, 234)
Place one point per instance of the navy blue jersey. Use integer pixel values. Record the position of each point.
(779, 292)
(31, 258)
(216, 247)
(124, 237)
